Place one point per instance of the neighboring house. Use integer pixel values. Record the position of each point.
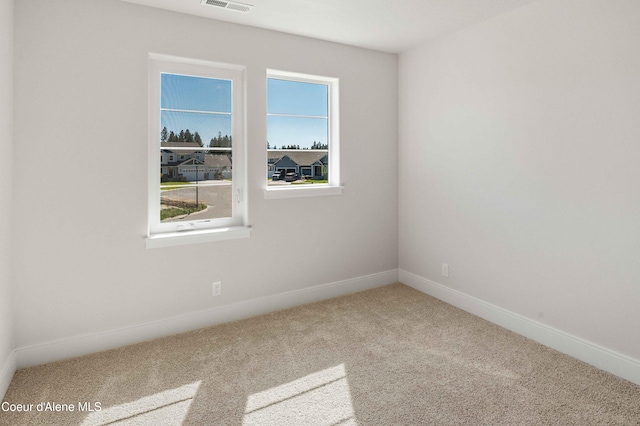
(188, 161)
(219, 165)
(305, 162)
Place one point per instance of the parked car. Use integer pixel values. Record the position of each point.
(290, 177)
(279, 175)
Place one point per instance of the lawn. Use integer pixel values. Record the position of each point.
(173, 185)
(179, 211)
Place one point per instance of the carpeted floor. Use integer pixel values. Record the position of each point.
(388, 356)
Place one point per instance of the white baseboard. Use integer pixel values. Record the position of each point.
(600, 357)
(6, 374)
(94, 342)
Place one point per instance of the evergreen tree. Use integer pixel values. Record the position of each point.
(197, 139)
(220, 141)
(318, 145)
(188, 137)
(164, 134)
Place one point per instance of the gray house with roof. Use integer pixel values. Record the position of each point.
(305, 162)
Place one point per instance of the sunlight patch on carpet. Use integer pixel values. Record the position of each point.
(321, 398)
(165, 408)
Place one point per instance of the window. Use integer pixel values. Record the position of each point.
(302, 135)
(196, 122)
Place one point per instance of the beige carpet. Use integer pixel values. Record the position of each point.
(388, 356)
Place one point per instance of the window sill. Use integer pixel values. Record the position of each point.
(197, 236)
(302, 191)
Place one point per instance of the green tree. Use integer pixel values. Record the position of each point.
(220, 141)
(318, 145)
(216, 141)
(188, 137)
(197, 139)
(164, 134)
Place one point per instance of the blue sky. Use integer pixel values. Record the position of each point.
(305, 108)
(296, 111)
(204, 105)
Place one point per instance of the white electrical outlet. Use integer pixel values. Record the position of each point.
(445, 269)
(217, 288)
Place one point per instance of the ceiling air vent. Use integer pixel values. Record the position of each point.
(231, 5)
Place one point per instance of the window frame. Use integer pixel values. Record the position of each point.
(176, 233)
(334, 186)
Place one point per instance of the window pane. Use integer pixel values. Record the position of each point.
(297, 130)
(208, 126)
(297, 98)
(284, 131)
(195, 184)
(195, 93)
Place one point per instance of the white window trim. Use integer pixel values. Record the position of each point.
(169, 239)
(334, 186)
(170, 234)
(314, 190)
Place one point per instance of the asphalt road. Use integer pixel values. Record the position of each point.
(216, 195)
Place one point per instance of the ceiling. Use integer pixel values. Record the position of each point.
(385, 25)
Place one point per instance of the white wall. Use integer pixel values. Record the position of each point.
(7, 365)
(519, 145)
(81, 94)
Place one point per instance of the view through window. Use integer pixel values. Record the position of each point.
(196, 142)
(298, 130)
